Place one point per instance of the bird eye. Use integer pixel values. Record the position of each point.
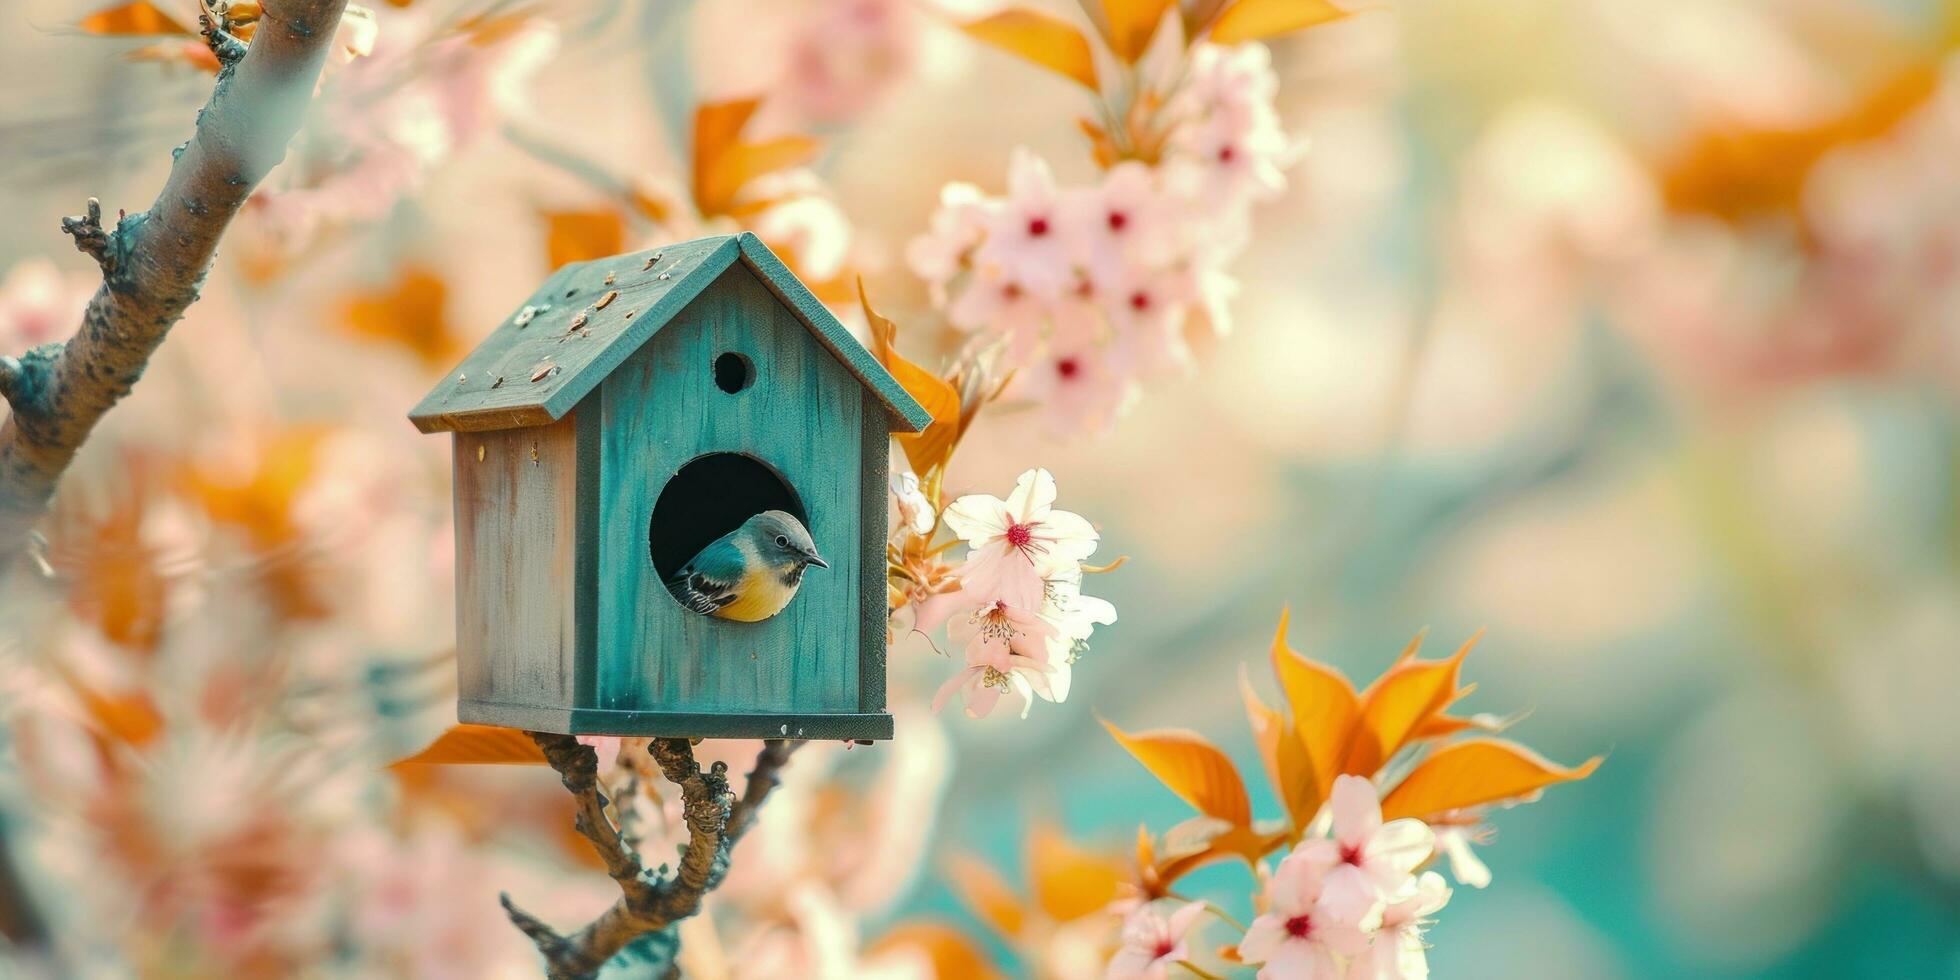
(782, 541)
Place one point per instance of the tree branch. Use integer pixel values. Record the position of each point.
(154, 262)
(650, 904)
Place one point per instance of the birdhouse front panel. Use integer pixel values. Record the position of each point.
(671, 504)
(733, 409)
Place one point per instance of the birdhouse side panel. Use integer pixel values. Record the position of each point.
(799, 413)
(516, 543)
(874, 497)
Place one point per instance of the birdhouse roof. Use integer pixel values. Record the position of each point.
(589, 316)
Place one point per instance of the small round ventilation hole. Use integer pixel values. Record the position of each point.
(733, 372)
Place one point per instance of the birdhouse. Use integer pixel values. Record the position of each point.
(627, 415)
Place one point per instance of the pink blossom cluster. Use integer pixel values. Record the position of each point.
(1089, 290)
(1350, 903)
(1019, 614)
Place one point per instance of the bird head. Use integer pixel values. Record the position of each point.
(782, 540)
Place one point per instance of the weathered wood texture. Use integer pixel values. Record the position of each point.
(802, 416)
(874, 497)
(573, 336)
(516, 535)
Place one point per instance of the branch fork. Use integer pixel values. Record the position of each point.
(651, 903)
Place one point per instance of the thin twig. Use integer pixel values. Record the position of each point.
(154, 262)
(649, 903)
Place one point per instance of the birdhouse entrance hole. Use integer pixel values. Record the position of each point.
(711, 496)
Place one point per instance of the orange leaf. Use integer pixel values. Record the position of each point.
(1252, 20)
(1473, 773)
(129, 718)
(1287, 767)
(746, 161)
(983, 891)
(486, 745)
(1041, 38)
(1131, 25)
(1193, 768)
(1324, 708)
(953, 954)
(1207, 840)
(1397, 705)
(131, 19)
(1069, 881)
(195, 54)
(579, 236)
(412, 314)
(932, 447)
(116, 579)
(723, 163)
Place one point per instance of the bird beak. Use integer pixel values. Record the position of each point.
(813, 558)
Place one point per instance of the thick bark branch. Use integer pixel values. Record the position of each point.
(154, 262)
(649, 903)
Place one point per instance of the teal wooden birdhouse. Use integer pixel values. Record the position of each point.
(631, 412)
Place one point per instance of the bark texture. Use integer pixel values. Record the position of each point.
(153, 262)
(650, 903)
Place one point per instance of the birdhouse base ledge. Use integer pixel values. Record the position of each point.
(677, 724)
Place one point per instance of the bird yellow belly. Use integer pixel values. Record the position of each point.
(761, 595)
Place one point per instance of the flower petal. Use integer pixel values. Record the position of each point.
(1402, 844)
(1357, 810)
(1033, 494)
(952, 686)
(976, 517)
(1262, 938)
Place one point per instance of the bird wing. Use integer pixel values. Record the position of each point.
(711, 579)
(699, 591)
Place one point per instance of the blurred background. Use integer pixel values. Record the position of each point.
(1630, 332)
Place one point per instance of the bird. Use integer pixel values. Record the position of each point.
(750, 573)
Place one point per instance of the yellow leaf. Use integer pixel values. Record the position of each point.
(131, 19)
(477, 745)
(1131, 25)
(580, 236)
(1324, 709)
(1473, 773)
(1397, 705)
(1253, 20)
(410, 313)
(1041, 38)
(1285, 757)
(983, 891)
(954, 955)
(1069, 881)
(932, 447)
(1193, 768)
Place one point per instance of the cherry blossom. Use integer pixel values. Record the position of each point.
(1074, 615)
(1367, 861)
(1089, 288)
(1398, 952)
(1018, 542)
(1301, 935)
(1028, 235)
(1007, 652)
(1153, 942)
